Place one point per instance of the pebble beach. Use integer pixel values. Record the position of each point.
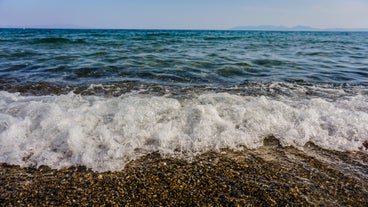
(269, 176)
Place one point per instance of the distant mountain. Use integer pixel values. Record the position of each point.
(274, 28)
(53, 26)
(296, 28)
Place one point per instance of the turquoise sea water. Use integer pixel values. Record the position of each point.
(98, 97)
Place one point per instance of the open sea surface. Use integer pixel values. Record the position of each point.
(101, 98)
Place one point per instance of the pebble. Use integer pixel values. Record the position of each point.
(244, 178)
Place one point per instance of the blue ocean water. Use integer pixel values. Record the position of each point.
(100, 98)
(181, 57)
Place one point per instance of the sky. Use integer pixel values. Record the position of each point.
(184, 14)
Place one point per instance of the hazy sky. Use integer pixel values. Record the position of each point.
(184, 14)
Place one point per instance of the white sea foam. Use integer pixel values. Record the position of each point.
(103, 133)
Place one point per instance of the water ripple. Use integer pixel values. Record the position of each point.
(182, 57)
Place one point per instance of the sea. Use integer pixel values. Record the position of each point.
(102, 98)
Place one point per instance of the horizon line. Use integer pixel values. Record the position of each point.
(298, 28)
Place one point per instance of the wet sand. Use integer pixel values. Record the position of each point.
(269, 176)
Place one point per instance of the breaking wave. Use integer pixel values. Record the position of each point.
(104, 133)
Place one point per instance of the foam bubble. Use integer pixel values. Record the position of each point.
(103, 133)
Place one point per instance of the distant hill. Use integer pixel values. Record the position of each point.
(53, 26)
(296, 28)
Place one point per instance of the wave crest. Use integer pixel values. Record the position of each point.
(103, 133)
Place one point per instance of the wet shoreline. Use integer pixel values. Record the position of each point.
(269, 176)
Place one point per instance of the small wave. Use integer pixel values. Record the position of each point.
(103, 133)
(152, 35)
(52, 40)
(319, 54)
(220, 38)
(231, 71)
(58, 40)
(158, 34)
(269, 62)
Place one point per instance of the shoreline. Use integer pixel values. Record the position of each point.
(271, 176)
